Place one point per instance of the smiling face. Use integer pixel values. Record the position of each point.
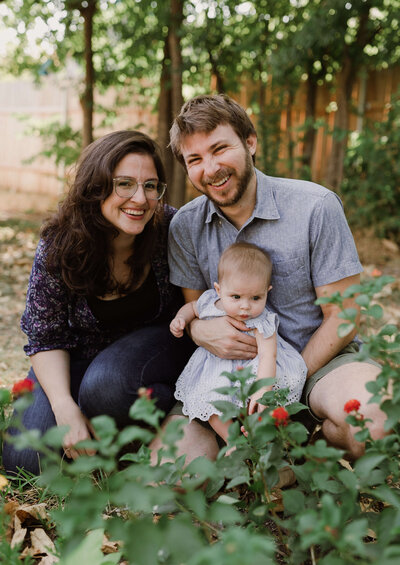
(242, 297)
(219, 165)
(130, 215)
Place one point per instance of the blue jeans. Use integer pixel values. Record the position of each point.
(108, 384)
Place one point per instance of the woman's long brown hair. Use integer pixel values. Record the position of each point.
(78, 237)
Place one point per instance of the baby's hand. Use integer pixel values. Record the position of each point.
(177, 326)
(253, 405)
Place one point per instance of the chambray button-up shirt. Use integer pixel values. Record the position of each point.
(302, 226)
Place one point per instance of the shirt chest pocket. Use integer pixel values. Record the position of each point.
(290, 282)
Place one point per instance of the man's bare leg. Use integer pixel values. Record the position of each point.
(327, 400)
(197, 441)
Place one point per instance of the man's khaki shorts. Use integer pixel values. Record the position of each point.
(348, 355)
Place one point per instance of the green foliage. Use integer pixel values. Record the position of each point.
(226, 511)
(371, 189)
(60, 142)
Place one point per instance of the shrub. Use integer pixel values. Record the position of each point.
(229, 511)
(371, 186)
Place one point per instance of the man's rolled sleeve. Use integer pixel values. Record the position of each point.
(333, 251)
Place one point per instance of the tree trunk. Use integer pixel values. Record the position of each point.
(170, 103)
(165, 113)
(174, 44)
(86, 99)
(262, 124)
(219, 81)
(347, 77)
(309, 135)
(290, 142)
(339, 142)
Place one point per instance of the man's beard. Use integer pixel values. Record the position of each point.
(243, 182)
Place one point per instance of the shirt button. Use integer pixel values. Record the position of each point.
(219, 223)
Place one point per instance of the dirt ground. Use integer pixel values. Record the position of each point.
(20, 220)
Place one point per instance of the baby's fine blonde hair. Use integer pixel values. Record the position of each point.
(243, 257)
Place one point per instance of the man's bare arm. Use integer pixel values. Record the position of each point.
(325, 343)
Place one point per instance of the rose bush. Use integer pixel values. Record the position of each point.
(229, 511)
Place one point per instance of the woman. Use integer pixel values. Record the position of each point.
(99, 300)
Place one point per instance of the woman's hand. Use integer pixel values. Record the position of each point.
(224, 338)
(69, 414)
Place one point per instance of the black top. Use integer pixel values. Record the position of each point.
(133, 309)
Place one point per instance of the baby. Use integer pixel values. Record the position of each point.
(244, 275)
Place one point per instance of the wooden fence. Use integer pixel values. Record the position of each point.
(370, 99)
(371, 96)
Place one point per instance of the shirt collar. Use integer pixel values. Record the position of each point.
(265, 207)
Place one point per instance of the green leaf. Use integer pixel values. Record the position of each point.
(348, 314)
(201, 466)
(392, 411)
(298, 432)
(225, 512)
(54, 436)
(105, 428)
(228, 409)
(387, 494)
(352, 290)
(362, 435)
(375, 312)
(364, 465)
(363, 300)
(296, 407)
(196, 502)
(294, 501)
(344, 329)
(226, 499)
(348, 478)
(5, 396)
(134, 433)
(89, 552)
(87, 464)
(239, 480)
(144, 410)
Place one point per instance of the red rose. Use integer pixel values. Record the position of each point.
(145, 392)
(376, 273)
(23, 387)
(281, 416)
(351, 405)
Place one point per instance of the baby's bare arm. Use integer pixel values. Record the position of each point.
(184, 316)
(267, 348)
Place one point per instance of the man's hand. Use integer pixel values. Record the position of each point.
(69, 414)
(224, 338)
(177, 326)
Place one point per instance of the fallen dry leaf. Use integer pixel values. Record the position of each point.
(31, 513)
(109, 546)
(40, 542)
(18, 537)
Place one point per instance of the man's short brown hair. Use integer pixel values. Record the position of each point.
(203, 114)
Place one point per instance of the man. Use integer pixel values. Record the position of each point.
(303, 228)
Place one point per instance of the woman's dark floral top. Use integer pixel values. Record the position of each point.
(54, 318)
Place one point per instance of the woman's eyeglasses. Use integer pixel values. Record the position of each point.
(126, 187)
